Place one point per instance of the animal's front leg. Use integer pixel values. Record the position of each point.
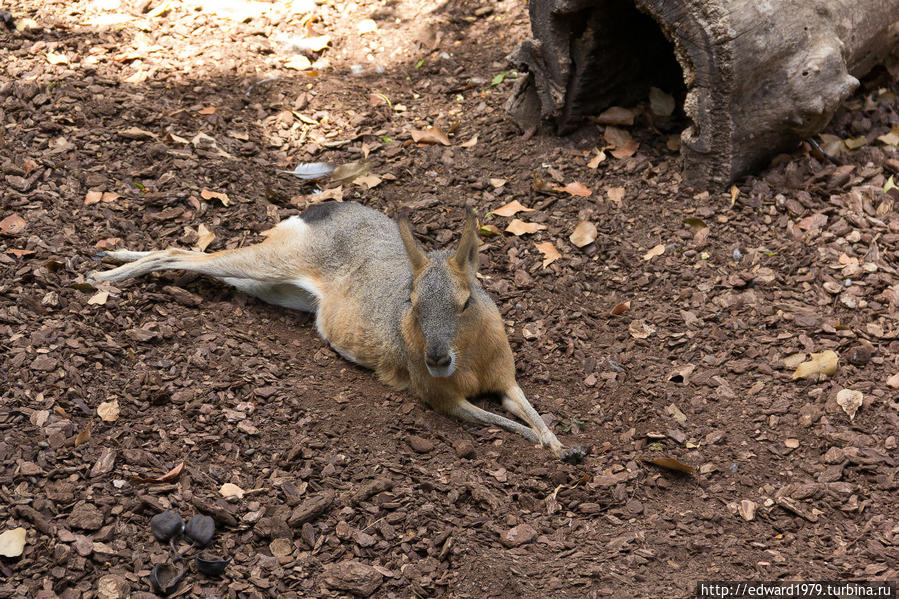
(515, 401)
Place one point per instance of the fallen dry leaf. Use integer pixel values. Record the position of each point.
(109, 410)
(747, 509)
(231, 490)
(347, 173)
(734, 192)
(511, 209)
(584, 234)
(95, 197)
(137, 134)
(84, 436)
(597, 159)
(893, 381)
(626, 150)
(298, 62)
(576, 189)
(638, 329)
(654, 252)
(19, 253)
(549, 251)
(616, 194)
(497, 183)
(850, 400)
(791, 443)
(824, 362)
(204, 238)
(517, 227)
(616, 137)
(208, 194)
(470, 143)
(369, 181)
(98, 299)
(12, 542)
(12, 225)
(207, 110)
(434, 135)
(620, 308)
(168, 477)
(891, 138)
(615, 115)
(669, 464)
(682, 375)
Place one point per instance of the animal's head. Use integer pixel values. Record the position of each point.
(446, 298)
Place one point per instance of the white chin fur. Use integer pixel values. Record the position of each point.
(446, 371)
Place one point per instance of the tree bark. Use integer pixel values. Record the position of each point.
(757, 76)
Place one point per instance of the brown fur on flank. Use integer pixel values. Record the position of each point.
(420, 320)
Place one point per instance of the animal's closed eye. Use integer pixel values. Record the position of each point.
(466, 304)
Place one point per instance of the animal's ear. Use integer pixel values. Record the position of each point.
(417, 256)
(466, 256)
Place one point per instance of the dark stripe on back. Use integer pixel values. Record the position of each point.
(319, 212)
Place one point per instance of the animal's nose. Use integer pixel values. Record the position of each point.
(438, 360)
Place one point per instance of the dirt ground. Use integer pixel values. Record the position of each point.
(119, 120)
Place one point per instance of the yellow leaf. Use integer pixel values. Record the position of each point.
(734, 192)
(549, 251)
(854, 143)
(204, 238)
(298, 62)
(109, 410)
(891, 138)
(488, 230)
(12, 542)
(517, 227)
(584, 234)
(670, 464)
(654, 252)
(824, 363)
(56, 58)
(511, 209)
(208, 194)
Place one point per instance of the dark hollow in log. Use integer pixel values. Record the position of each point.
(756, 77)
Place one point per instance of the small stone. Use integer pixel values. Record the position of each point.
(86, 517)
(634, 506)
(420, 444)
(464, 448)
(860, 353)
(519, 535)
(353, 576)
(281, 547)
(747, 509)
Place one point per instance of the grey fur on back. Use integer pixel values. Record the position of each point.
(364, 246)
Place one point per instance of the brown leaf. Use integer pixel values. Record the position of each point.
(549, 251)
(518, 228)
(615, 115)
(626, 150)
(638, 329)
(616, 194)
(434, 135)
(584, 234)
(670, 464)
(20, 253)
(84, 436)
(207, 110)
(168, 477)
(99, 298)
(470, 143)
(488, 230)
(511, 209)
(620, 308)
(347, 173)
(576, 189)
(12, 225)
(369, 181)
(616, 137)
(208, 194)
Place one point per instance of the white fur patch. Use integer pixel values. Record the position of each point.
(441, 373)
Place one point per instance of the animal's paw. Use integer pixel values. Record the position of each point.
(574, 455)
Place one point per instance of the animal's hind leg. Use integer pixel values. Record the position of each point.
(259, 262)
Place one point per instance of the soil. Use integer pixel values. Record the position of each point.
(349, 487)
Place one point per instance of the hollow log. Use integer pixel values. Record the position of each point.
(756, 76)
